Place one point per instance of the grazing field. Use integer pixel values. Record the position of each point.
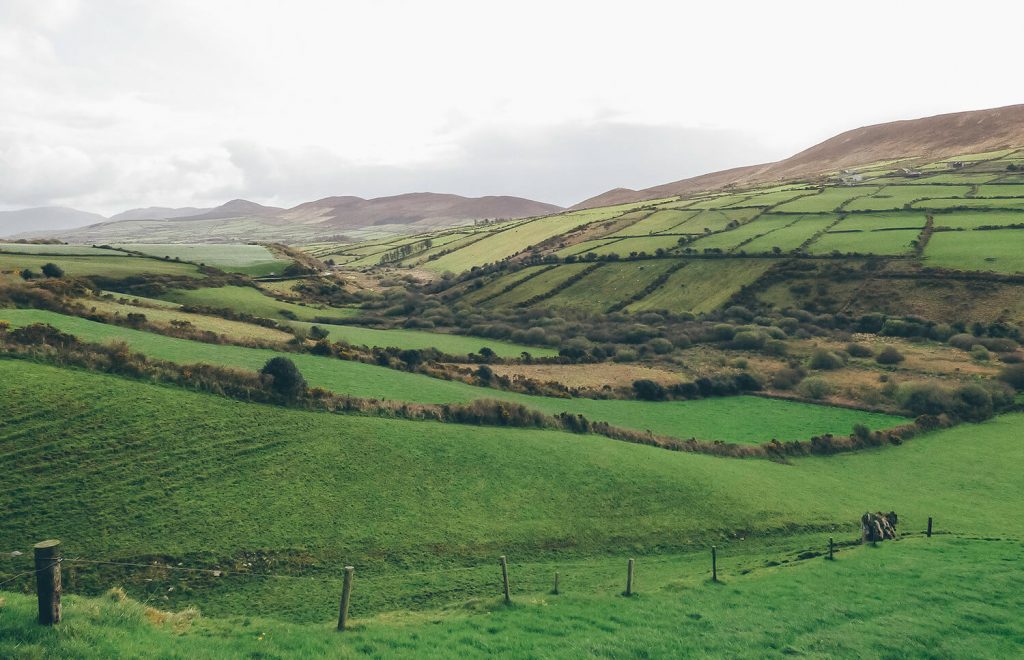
(882, 221)
(734, 239)
(58, 250)
(164, 315)
(503, 243)
(627, 246)
(973, 220)
(703, 285)
(1004, 190)
(247, 300)
(971, 203)
(677, 614)
(420, 339)
(999, 250)
(225, 478)
(236, 258)
(538, 285)
(610, 284)
(829, 199)
(494, 287)
(790, 237)
(895, 197)
(118, 266)
(657, 222)
(771, 198)
(865, 242)
(736, 419)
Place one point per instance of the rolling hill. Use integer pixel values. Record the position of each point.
(44, 219)
(932, 138)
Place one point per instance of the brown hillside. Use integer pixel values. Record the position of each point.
(933, 138)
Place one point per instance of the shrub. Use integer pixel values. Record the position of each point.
(1013, 376)
(775, 347)
(660, 345)
(889, 355)
(963, 341)
(747, 340)
(286, 380)
(648, 390)
(787, 378)
(317, 333)
(980, 353)
(815, 387)
(859, 350)
(925, 399)
(825, 360)
(52, 270)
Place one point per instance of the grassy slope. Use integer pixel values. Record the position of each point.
(111, 266)
(738, 419)
(201, 479)
(868, 600)
(251, 301)
(703, 285)
(1000, 250)
(238, 258)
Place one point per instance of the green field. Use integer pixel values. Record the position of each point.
(447, 343)
(111, 266)
(1000, 250)
(894, 197)
(773, 197)
(865, 242)
(1004, 190)
(732, 239)
(829, 199)
(233, 258)
(736, 419)
(973, 220)
(626, 246)
(971, 203)
(58, 250)
(790, 237)
(887, 221)
(538, 285)
(225, 478)
(247, 300)
(681, 617)
(610, 284)
(703, 285)
(657, 222)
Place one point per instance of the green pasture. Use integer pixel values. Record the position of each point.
(703, 285)
(999, 250)
(115, 266)
(865, 242)
(235, 258)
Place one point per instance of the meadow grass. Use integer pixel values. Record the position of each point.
(889, 221)
(233, 258)
(657, 222)
(109, 265)
(248, 300)
(789, 237)
(829, 199)
(1000, 190)
(999, 250)
(971, 203)
(164, 315)
(610, 284)
(538, 285)
(973, 220)
(894, 197)
(195, 478)
(717, 220)
(647, 244)
(865, 242)
(58, 250)
(703, 285)
(736, 419)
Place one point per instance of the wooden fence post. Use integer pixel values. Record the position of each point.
(830, 548)
(504, 579)
(714, 564)
(555, 590)
(929, 526)
(629, 578)
(346, 597)
(47, 556)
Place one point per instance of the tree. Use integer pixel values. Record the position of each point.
(287, 380)
(52, 270)
(648, 390)
(318, 333)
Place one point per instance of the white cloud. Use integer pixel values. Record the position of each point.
(180, 102)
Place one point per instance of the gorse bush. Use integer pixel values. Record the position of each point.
(889, 355)
(286, 381)
(825, 360)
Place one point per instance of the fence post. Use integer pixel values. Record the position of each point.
(555, 590)
(629, 578)
(47, 556)
(504, 579)
(929, 526)
(346, 597)
(714, 564)
(830, 547)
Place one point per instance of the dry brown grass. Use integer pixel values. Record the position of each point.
(588, 375)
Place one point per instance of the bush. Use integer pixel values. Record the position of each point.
(660, 345)
(859, 350)
(815, 388)
(286, 381)
(963, 341)
(925, 399)
(889, 355)
(825, 360)
(648, 390)
(787, 378)
(980, 353)
(317, 333)
(747, 341)
(52, 270)
(1013, 376)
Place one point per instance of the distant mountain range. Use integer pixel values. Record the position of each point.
(332, 218)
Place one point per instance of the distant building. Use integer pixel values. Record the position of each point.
(955, 165)
(910, 173)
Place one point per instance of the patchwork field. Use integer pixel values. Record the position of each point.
(238, 258)
(248, 300)
(1000, 250)
(611, 284)
(865, 242)
(703, 285)
(712, 419)
(110, 266)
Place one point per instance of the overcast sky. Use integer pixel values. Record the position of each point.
(111, 104)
